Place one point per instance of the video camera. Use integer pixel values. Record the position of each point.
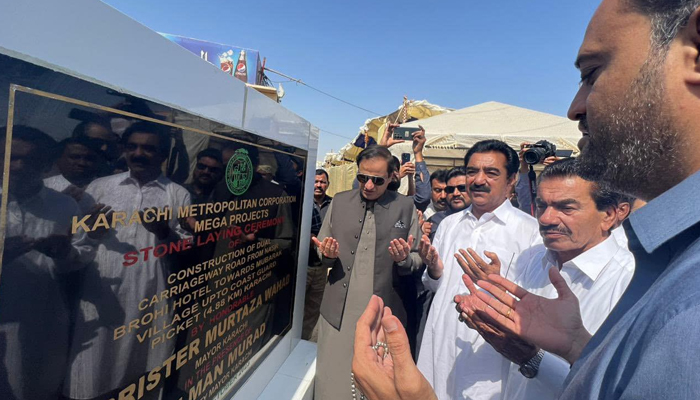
(536, 153)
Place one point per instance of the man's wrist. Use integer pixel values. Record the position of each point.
(433, 274)
(524, 169)
(577, 345)
(531, 367)
(418, 156)
(403, 262)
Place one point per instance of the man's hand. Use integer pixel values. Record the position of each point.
(394, 377)
(54, 246)
(160, 228)
(399, 249)
(430, 257)
(388, 137)
(329, 247)
(425, 227)
(550, 160)
(407, 169)
(246, 237)
(475, 266)
(16, 246)
(419, 143)
(523, 165)
(95, 211)
(507, 344)
(554, 325)
(75, 192)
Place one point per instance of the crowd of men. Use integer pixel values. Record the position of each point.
(470, 226)
(584, 301)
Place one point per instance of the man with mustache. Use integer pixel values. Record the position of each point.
(576, 217)
(456, 198)
(208, 172)
(640, 95)
(79, 163)
(103, 364)
(640, 79)
(455, 359)
(438, 197)
(359, 227)
(316, 274)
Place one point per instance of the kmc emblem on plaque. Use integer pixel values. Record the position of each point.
(239, 172)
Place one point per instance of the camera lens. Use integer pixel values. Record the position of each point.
(534, 155)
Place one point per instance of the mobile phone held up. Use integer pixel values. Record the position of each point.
(405, 157)
(404, 133)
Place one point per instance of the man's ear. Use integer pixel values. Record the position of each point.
(512, 180)
(691, 52)
(610, 218)
(623, 211)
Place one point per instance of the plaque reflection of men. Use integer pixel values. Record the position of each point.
(208, 172)
(34, 311)
(100, 133)
(277, 315)
(78, 164)
(258, 188)
(359, 227)
(104, 360)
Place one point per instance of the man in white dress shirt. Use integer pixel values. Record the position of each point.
(38, 257)
(576, 218)
(456, 361)
(104, 361)
(438, 196)
(78, 164)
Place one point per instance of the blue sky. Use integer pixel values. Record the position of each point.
(372, 53)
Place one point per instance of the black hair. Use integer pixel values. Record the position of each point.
(81, 129)
(625, 198)
(46, 148)
(298, 165)
(439, 175)
(455, 172)
(151, 128)
(211, 153)
(376, 152)
(394, 164)
(498, 146)
(322, 172)
(570, 167)
(88, 142)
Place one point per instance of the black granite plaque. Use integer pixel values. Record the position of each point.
(147, 253)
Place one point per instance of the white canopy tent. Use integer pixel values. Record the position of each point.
(451, 134)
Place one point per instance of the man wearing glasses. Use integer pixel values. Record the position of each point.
(457, 198)
(208, 171)
(456, 361)
(367, 238)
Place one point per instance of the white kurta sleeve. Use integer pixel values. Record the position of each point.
(552, 373)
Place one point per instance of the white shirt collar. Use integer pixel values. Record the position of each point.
(591, 262)
(502, 213)
(126, 178)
